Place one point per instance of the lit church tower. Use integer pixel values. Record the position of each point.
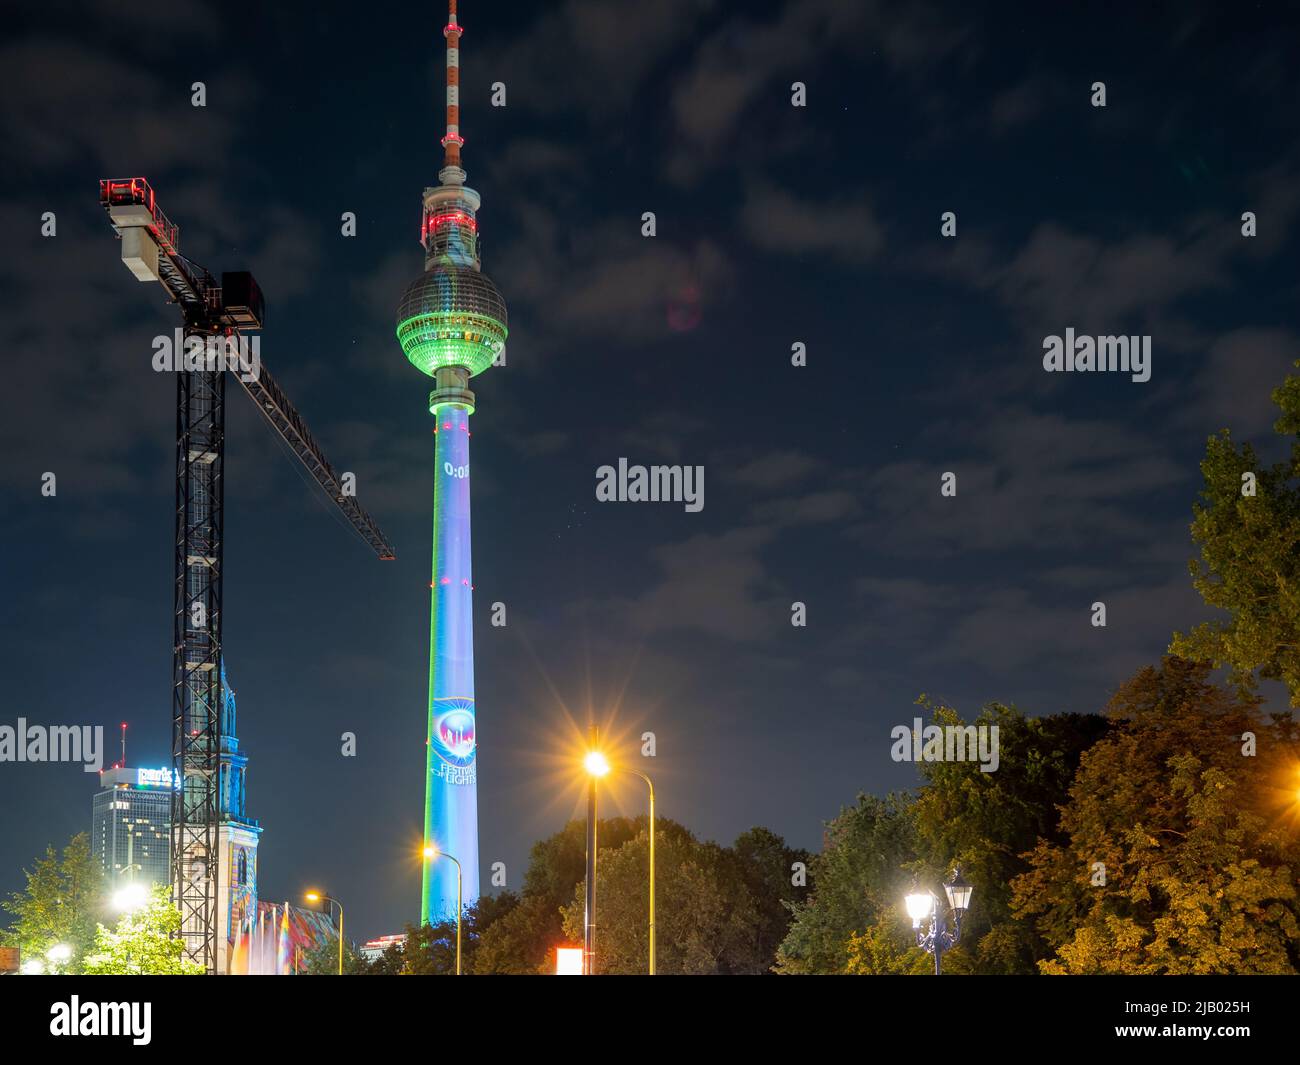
(451, 324)
(237, 838)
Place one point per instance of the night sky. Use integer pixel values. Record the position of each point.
(775, 225)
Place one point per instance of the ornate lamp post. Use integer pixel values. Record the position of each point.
(936, 937)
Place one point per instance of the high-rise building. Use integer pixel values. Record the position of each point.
(451, 324)
(131, 825)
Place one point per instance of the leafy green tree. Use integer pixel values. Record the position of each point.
(522, 942)
(558, 862)
(704, 915)
(389, 963)
(323, 960)
(1178, 855)
(146, 942)
(886, 948)
(430, 949)
(765, 865)
(985, 822)
(1250, 557)
(62, 903)
(859, 878)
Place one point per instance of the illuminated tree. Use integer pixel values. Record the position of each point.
(61, 903)
(144, 943)
(1180, 851)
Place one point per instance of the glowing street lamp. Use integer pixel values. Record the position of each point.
(597, 766)
(33, 967)
(59, 955)
(316, 896)
(130, 898)
(937, 937)
(919, 904)
(432, 853)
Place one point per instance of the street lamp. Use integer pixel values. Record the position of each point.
(593, 763)
(316, 896)
(432, 853)
(597, 766)
(130, 898)
(59, 955)
(937, 937)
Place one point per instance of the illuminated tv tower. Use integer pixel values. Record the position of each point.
(451, 324)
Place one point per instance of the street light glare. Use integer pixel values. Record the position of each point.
(313, 896)
(59, 953)
(919, 904)
(131, 897)
(597, 764)
(431, 852)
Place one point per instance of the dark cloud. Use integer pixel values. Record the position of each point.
(778, 221)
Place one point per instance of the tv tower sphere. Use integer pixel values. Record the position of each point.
(451, 316)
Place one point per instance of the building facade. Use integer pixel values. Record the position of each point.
(131, 826)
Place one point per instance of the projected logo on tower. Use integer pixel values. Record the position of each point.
(453, 731)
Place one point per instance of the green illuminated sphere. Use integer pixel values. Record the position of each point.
(451, 316)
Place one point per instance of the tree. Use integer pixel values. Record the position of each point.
(1250, 557)
(389, 963)
(886, 948)
(1177, 856)
(704, 914)
(765, 865)
(859, 877)
(558, 862)
(430, 949)
(323, 960)
(523, 942)
(146, 942)
(985, 822)
(61, 903)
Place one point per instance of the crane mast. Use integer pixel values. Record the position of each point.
(211, 313)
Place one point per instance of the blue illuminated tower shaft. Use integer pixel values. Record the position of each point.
(451, 793)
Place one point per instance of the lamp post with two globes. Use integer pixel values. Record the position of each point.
(937, 936)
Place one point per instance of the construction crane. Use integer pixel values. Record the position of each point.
(214, 317)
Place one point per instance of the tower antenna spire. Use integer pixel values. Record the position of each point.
(452, 172)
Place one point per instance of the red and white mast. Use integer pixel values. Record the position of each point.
(452, 174)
